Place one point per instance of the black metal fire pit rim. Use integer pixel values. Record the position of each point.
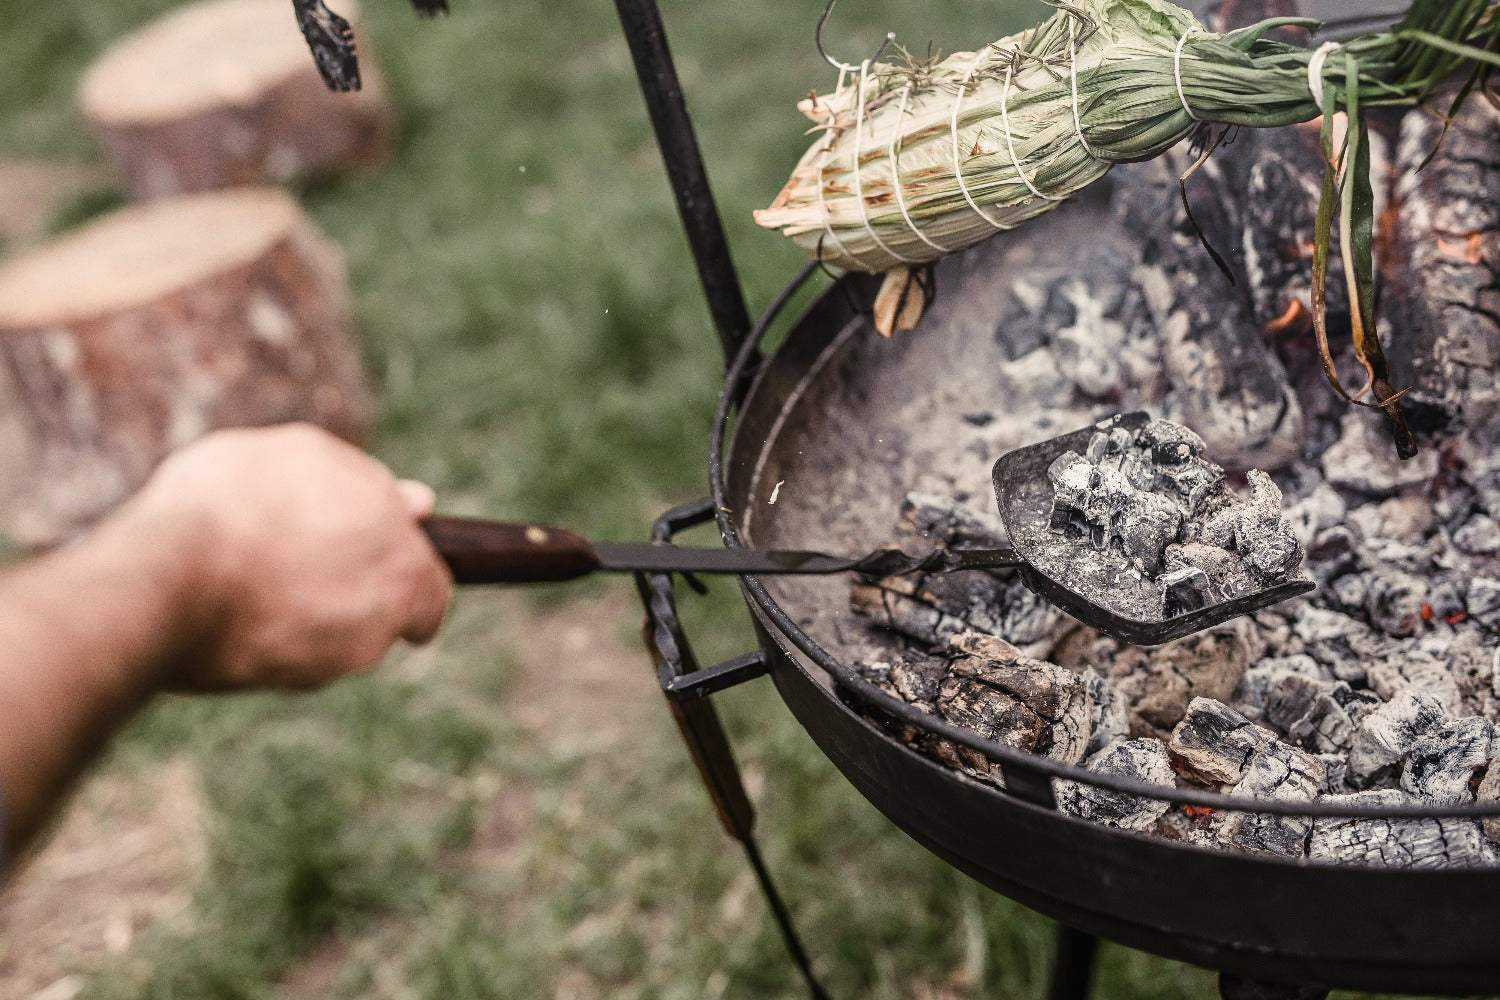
(1013, 762)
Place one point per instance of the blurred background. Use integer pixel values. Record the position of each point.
(506, 812)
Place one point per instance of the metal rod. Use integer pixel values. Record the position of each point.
(783, 919)
(679, 150)
(1073, 964)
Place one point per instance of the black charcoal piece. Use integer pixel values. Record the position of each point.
(1215, 742)
(1144, 760)
(1058, 698)
(1224, 572)
(1311, 712)
(1483, 601)
(1280, 773)
(1388, 734)
(1110, 721)
(1442, 763)
(1396, 843)
(1187, 589)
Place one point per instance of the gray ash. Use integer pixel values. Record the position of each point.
(1151, 498)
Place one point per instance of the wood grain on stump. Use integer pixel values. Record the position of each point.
(158, 323)
(225, 93)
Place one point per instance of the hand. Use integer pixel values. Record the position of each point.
(301, 558)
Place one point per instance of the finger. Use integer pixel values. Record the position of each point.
(429, 605)
(420, 498)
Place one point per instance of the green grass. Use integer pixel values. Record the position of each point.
(533, 326)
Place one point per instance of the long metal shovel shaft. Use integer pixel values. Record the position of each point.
(479, 551)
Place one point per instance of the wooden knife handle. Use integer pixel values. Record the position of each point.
(479, 551)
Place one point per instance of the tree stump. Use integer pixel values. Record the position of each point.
(225, 93)
(155, 324)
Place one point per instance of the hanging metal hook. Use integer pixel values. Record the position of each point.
(890, 36)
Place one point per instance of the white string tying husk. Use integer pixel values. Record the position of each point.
(1177, 72)
(958, 169)
(1010, 142)
(859, 186)
(844, 70)
(1315, 70)
(892, 154)
(1073, 80)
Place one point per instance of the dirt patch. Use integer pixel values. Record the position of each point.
(582, 688)
(124, 858)
(318, 975)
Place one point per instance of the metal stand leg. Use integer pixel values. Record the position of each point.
(1072, 965)
(1233, 987)
(783, 920)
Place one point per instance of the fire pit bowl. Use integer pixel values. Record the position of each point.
(823, 438)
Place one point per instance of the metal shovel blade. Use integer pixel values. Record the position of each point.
(1098, 587)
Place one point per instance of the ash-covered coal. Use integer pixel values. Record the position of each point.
(1150, 497)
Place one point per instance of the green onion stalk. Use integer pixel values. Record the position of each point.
(916, 159)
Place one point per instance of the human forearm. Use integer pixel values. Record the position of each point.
(88, 634)
(276, 558)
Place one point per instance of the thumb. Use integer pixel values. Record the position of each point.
(419, 497)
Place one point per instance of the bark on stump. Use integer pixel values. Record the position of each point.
(225, 93)
(156, 324)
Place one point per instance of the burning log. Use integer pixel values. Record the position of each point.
(1230, 387)
(989, 687)
(1443, 290)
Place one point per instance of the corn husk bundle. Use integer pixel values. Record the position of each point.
(918, 159)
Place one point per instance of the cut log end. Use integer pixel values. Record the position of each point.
(225, 93)
(156, 324)
(138, 254)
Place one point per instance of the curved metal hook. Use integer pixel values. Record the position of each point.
(890, 36)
